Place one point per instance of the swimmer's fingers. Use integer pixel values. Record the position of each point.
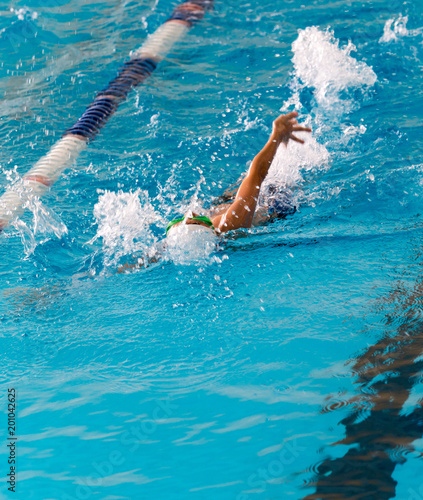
(298, 128)
(296, 139)
(283, 121)
(301, 129)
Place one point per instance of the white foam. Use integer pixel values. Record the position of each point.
(320, 63)
(190, 244)
(20, 195)
(395, 28)
(124, 221)
(290, 161)
(46, 225)
(352, 131)
(46, 221)
(24, 13)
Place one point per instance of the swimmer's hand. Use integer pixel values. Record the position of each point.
(284, 127)
(240, 212)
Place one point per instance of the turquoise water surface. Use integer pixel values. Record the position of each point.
(287, 365)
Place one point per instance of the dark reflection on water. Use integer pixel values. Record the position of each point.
(380, 437)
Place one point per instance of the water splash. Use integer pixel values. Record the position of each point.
(46, 225)
(124, 224)
(25, 17)
(395, 28)
(191, 245)
(24, 14)
(329, 70)
(290, 161)
(321, 63)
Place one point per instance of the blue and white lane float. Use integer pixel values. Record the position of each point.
(63, 154)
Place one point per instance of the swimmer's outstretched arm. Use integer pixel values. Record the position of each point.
(241, 212)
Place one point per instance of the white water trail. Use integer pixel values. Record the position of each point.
(24, 13)
(332, 73)
(394, 29)
(191, 245)
(46, 225)
(320, 63)
(124, 225)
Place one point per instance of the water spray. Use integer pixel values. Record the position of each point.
(143, 61)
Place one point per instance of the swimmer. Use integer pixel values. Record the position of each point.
(240, 213)
(198, 233)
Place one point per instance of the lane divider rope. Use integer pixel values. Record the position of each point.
(143, 61)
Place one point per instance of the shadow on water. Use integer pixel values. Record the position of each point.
(380, 430)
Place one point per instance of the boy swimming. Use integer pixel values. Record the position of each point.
(194, 235)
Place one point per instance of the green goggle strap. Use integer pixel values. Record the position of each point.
(200, 218)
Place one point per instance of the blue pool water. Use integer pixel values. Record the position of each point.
(288, 365)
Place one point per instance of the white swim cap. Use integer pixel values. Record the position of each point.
(190, 243)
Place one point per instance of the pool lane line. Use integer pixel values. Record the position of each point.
(143, 61)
